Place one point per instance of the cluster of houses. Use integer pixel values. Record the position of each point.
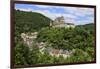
(51, 51)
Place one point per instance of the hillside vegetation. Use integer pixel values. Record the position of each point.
(29, 21)
(80, 40)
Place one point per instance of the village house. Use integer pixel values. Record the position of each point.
(58, 52)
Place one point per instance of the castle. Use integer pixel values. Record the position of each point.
(59, 22)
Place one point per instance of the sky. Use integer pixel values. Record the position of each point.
(76, 15)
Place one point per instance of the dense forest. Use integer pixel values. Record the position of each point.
(79, 40)
(29, 21)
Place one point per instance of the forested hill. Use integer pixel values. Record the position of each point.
(30, 21)
(88, 26)
(77, 44)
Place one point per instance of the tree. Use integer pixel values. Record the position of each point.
(34, 54)
(21, 54)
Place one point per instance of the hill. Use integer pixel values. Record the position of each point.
(30, 21)
(76, 43)
(87, 26)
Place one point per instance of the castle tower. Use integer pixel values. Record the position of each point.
(61, 20)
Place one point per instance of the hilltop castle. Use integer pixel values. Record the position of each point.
(59, 22)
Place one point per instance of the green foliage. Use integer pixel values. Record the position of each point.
(79, 56)
(66, 38)
(21, 54)
(34, 52)
(29, 21)
(24, 55)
